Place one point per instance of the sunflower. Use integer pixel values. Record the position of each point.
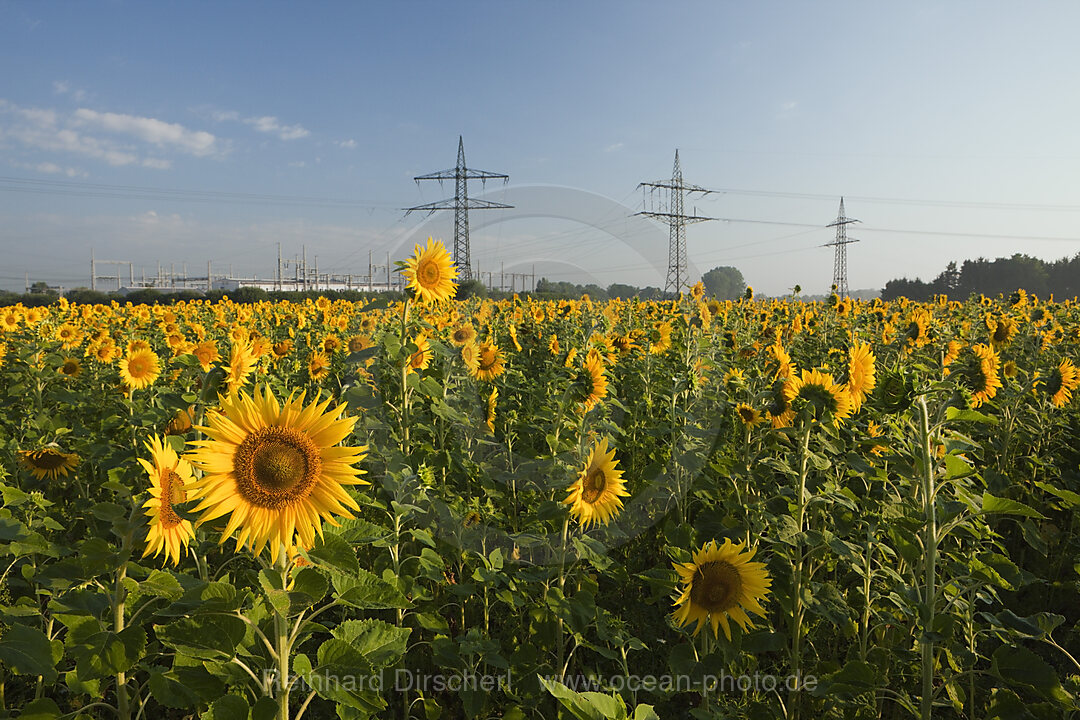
(357, 343)
(420, 359)
(492, 399)
(660, 338)
(170, 477)
(331, 343)
(9, 320)
(70, 367)
(596, 496)
(779, 356)
(48, 462)
(282, 349)
(861, 372)
(181, 422)
(490, 362)
(1002, 330)
(979, 373)
(748, 415)
(470, 356)
(318, 365)
(1061, 382)
(242, 361)
(3, 352)
(431, 273)
(593, 384)
(721, 583)
(105, 351)
(139, 369)
(275, 469)
(780, 412)
(819, 394)
(553, 344)
(207, 354)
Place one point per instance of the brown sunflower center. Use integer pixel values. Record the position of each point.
(593, 486)
(172, 492)
(428, 273)
(276, 466)
(716, 586)
(70, 367)
(47, 459)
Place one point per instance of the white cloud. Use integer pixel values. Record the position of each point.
(614, 147)
(298, 164)
(269, 124)
(49, 130)
(195, 142)
(62, 87)
(349, 144)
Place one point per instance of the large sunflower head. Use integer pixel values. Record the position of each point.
(140, 368)
(1062, 380)
(596, 496)
(489, 361)
(170, 481)
(721, 583)
(207, 354)
(431, 273)
(861, 374)
(817, 394)
(48, 462)
(275, 469)
(978, 373)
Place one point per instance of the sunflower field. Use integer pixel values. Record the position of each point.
(443, 508)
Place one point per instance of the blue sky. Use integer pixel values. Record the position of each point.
(187, 132)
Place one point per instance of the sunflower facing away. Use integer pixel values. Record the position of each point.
(721, 583)
(140, 368)
(596, 496)
(48, 462)
(431, 273)
(170, 478)
(275, 469)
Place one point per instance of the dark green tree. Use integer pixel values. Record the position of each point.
(724, 283)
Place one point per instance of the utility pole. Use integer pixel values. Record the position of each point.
(668, 208)
(839, 282)
(93, 271)
(461, 205)
(209, 278)
(277, 282)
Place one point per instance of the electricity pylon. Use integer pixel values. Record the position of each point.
(461, 204)
(840, 286)
(669, 209)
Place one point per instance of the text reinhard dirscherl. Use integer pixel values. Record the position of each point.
(404, 680)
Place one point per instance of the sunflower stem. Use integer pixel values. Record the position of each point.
(123, 711)
(797, 584)
(930, 540)
(405, 380)
(283, 644)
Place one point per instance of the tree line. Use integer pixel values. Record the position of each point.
(1060, 278)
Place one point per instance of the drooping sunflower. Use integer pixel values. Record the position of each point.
(1061, 382)
(861, 374)
(48, 462)
(170, 479)
(470, 356)
(817, 393)
(276, 469)
(490, 363)
(431, 273)
(140, 368)
(719, 584)
(596, 496)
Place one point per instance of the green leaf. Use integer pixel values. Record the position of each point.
(228, 707)
(586, 706)
(381, 643)
(333, 552)
(367, 591)
(41, 709)
(308, 587)
(992, 504)
(206, 637)
(108, 653)
(264, 709)
(1017, 665)
(277, 596)
(1071, 499)
(27, 651)
(171, 693)
(975, 416)
(162, 584)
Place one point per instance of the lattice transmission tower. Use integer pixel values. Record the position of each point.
(461, 204)
(840, 286)
(668, 207)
